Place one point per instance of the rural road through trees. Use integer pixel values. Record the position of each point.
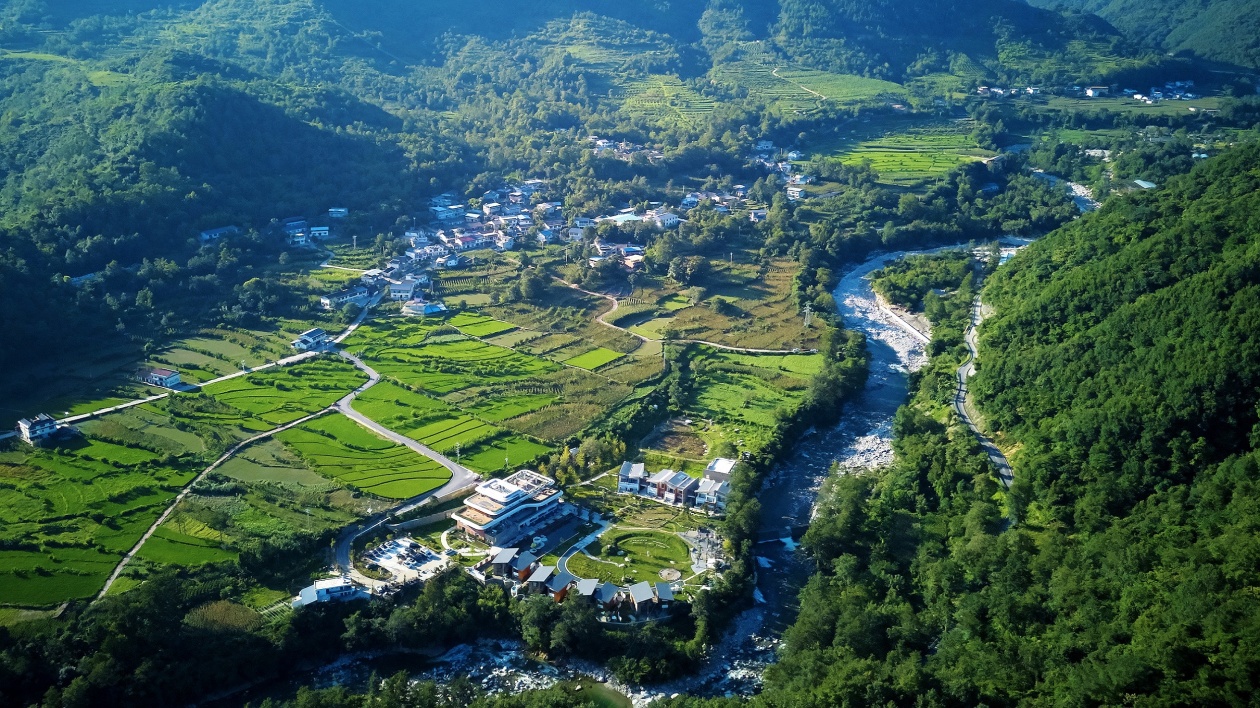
(962, 407)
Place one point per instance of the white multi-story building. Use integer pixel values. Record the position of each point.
(501, 511)
(32, 430)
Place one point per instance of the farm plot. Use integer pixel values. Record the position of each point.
(907, 158)
(479, 445)
(479, 326)
(278, 396)
(168, 546)
(745, 394)
(443, 366)
(594, 359)
(795, 90)
(336, 447)
(71, 512)
(667, 99)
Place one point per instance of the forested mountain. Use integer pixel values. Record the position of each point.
(1225, 30)
(1123, 367)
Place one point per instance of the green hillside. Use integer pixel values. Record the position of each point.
(1224, 30)
(1121, 370)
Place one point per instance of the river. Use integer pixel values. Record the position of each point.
(863, 440)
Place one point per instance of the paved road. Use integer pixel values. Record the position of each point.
(188, 488)
(461, 477)
(963, 408)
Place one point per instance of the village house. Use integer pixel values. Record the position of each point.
(539, 579)
(310, 339)
(502, 511)
(215, 234)
(338, 213)
(297, 239)
(449, 261)
(341, 297)
(166, 378)
(329, 590)
(711, 494)
(294, 225)
(795, 193)
(559, 584)
(402, 290)
(33, 430)
(631, 477)
(320, 232)
(641, 596)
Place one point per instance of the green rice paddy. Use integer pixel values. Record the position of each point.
(338, 448)
(594, 359)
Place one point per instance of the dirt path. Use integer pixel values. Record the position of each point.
(803, 87)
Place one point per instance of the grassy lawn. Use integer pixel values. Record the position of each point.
(594, 359)
(627, 555)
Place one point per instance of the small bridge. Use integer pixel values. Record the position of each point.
(774, 536)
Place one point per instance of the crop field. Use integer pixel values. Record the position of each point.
(744, 394)
(907, 158)
(277, 396)
(345, 255)
(398, 349)
(479, 325)
(667, 99)
(798, 90)
(765, 313)
(525, 393)
(627, 555)
(594, 359)
(481, 446)
(168, 546)
(338, 448)
(71, 512)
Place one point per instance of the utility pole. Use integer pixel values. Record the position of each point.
(355, 239)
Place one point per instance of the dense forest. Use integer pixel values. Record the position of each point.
(1224, 30)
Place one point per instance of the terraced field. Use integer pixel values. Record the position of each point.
(277, 396)
(796, 90)
(667, 99)
(479, 326)
(594, 359)
(71, 512)
(909, 157)
(479, 445)
(522, 392)
(339, 449)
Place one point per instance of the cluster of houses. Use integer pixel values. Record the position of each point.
(1170, 91)
(708, 493)
(525, 575)
(297, 231)
(623, 150)
(781, 164)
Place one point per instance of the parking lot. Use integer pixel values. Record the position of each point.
(407, 560)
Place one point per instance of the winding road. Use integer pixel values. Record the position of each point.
(963, 407)
(461, 477)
